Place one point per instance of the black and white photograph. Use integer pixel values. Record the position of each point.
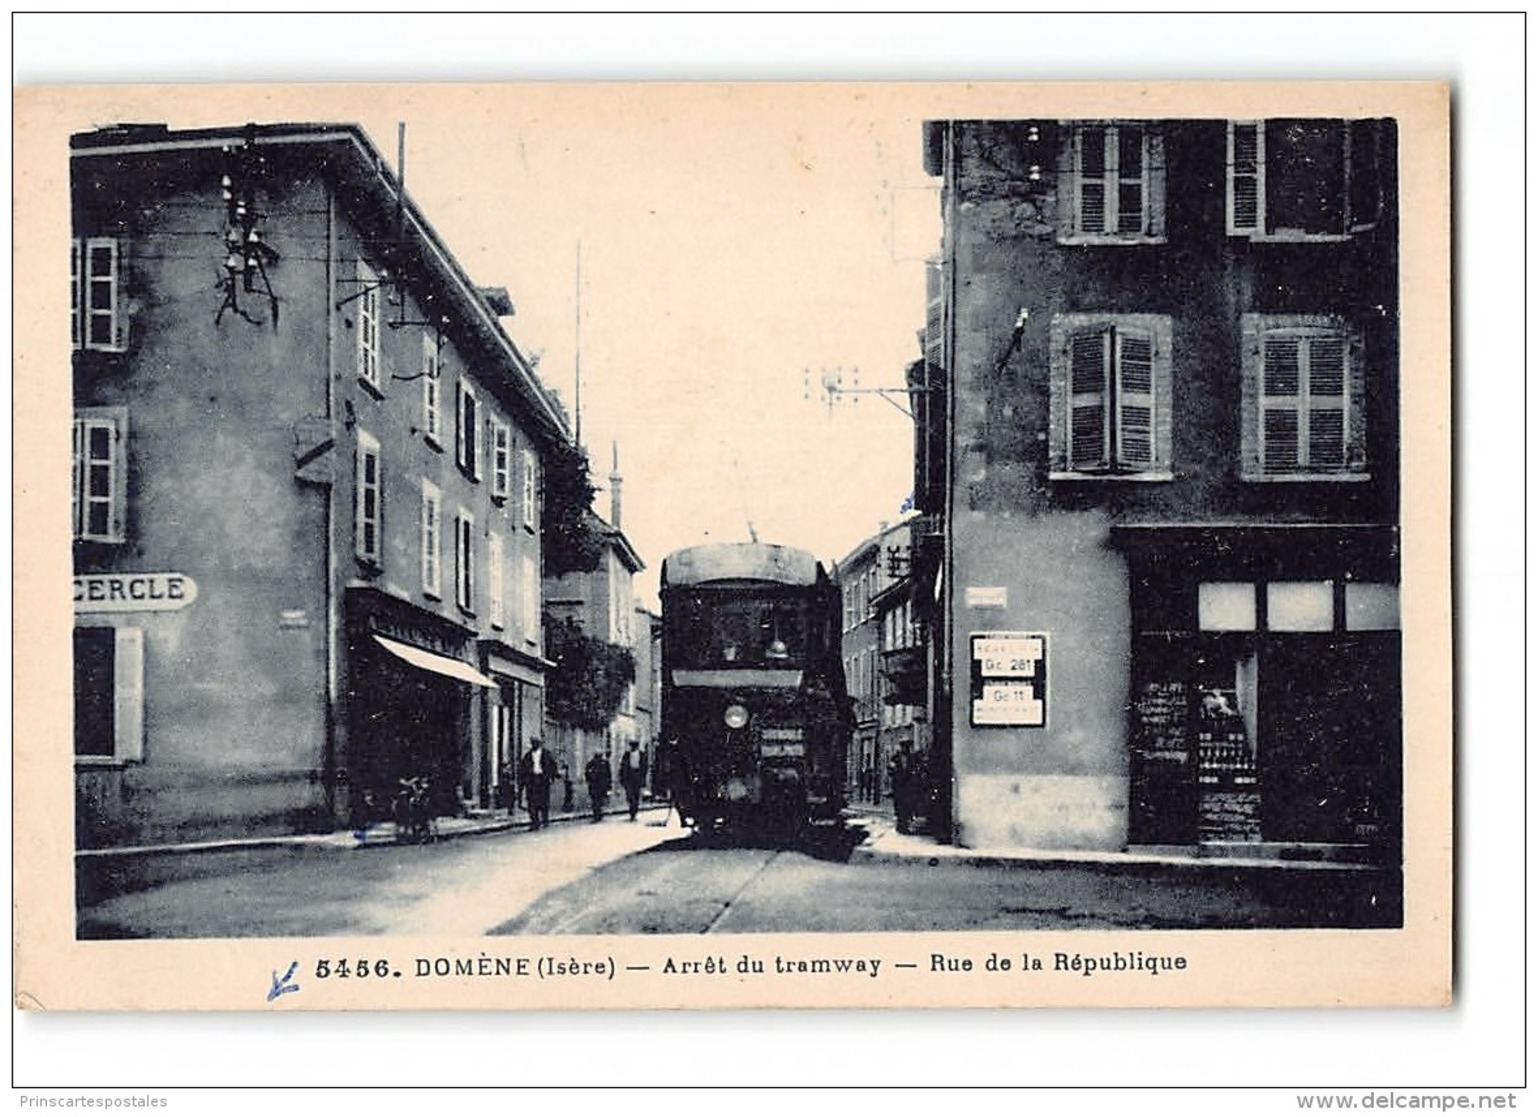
(676, 515)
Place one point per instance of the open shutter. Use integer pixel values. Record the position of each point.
(1154, 176)
(119, 303)
(1134, 399)
(128, 694)
(1364, 172)
(76, 336)
(1246, 177)
(1089, 355)
(368, 324)
(77, 465)
(117, 511)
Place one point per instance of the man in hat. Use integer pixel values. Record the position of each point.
(598, 778)
(632, 776)
(537, 772)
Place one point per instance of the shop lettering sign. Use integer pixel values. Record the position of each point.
(133, 593)
(1009, 679)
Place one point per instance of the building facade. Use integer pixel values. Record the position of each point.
(307, 484)
(1167, 354)
(647, 699)
(601, 603)
(858, 577)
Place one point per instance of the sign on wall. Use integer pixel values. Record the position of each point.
(133, 593)
(1009, 679)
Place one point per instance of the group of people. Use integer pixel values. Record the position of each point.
(538, 771)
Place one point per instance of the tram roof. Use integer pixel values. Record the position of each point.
(721, 562)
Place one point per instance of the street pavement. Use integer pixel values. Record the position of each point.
(493, 874)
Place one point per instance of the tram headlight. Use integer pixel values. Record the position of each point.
(736, 716)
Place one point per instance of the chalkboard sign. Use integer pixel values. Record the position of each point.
(1230, 815)
(1159, 731)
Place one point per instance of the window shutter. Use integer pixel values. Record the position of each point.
(1365, 190)
(1135, 399)
(1129, 177)
(1246, 178)
(119, 304)
(368, 324)
(1067, 194)
(459, 428)
(432, 528)
(75, 334)
(494, 578)
(1089, 357)
(1154, 176)
(1249, 396)
(77, 482)
(128, 694)
(1090, 178)
(1280, 387)
(117, 527)
(1326, 402)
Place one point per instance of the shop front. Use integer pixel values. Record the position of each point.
(513, 717)
(1266, 703)
(411, 687)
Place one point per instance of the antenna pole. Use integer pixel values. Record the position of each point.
(577, 394)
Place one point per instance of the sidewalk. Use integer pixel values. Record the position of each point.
(378, 834)
(885, 844)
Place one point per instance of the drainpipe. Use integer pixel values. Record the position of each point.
(953, 380)
(333, 610)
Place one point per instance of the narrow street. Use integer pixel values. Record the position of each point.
(655, 877)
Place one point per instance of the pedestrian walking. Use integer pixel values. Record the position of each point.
(599, 778)
(632, 776)
(537, 771)
(905, 779)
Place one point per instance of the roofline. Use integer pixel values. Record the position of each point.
(86, 145)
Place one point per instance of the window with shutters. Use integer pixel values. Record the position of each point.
(432, 538)
(432, 392)
(467, 438)
(1292, 180)
(109, 695)
(98, 319)
(1110, 406)
(1111, 190)
(99, 473)
(368, 328)
(369, 512)
(501, 460)
(1303, 399)
(464, 560)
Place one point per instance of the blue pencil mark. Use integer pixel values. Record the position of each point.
(281, 985)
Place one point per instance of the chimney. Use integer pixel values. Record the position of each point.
(615, 480)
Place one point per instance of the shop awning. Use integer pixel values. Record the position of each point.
(437, 664)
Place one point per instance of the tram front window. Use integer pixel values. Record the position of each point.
(735, 633)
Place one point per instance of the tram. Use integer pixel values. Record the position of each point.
(755, 713)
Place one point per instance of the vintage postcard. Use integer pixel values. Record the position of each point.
(733, 545)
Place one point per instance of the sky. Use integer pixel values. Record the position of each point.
(737, 245)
